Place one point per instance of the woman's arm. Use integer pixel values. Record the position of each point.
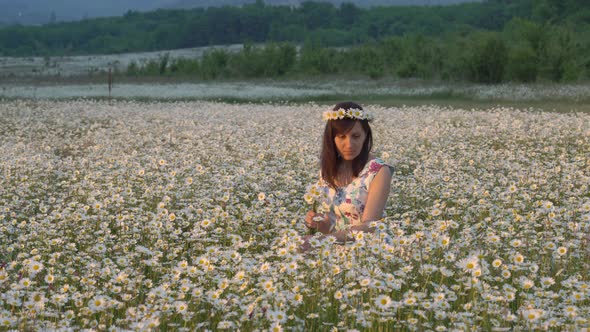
(378, 194)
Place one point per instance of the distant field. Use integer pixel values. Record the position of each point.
(84, 65)
(558, 97)
(85, 77)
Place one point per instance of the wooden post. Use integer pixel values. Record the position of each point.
(110, 82)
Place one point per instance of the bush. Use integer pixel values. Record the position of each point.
(571, 72)
(151, 68)
(315, 60)
(214, 64)
(246, 63)
(133, 69)
(185, 66)
(164, 63)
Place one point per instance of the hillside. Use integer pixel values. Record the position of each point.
(42, 11)
(317, 22)
(360, 3)
(32, 12)
(490, 42)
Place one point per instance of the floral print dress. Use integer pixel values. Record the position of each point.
(346, 204)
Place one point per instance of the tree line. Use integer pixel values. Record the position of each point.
(492, 41)
(342, 25)
(524, 51)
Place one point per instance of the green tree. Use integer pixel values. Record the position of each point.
(486, 58)
(316, 14)
(348, 15)
(393, 53)
(286, 55)
(419, 57)
(522, 64)
(560, 60)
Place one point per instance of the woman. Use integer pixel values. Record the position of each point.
(353, 185)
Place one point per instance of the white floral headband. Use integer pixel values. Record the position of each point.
(353, 113)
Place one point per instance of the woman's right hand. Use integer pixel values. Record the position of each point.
(318, 221)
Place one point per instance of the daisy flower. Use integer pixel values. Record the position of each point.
(547, 282)
(383, 302)
(532, 315)
(561, 251)
(518, 259)
(35, 267)
(469, 264)
(497, 263)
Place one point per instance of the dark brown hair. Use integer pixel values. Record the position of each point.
(329, 155)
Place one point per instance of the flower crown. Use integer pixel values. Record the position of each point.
(341, 113)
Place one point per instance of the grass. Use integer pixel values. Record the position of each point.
(444, 94)
(455, 102)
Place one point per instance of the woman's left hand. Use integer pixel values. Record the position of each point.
(306, 245)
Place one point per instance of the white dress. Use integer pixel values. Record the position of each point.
(346, 204)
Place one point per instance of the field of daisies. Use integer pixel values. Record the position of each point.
(130, 215)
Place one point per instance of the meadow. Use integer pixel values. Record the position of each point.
(187, 215)
(87, 65)
(546, 96)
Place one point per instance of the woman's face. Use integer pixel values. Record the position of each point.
(350, 144)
